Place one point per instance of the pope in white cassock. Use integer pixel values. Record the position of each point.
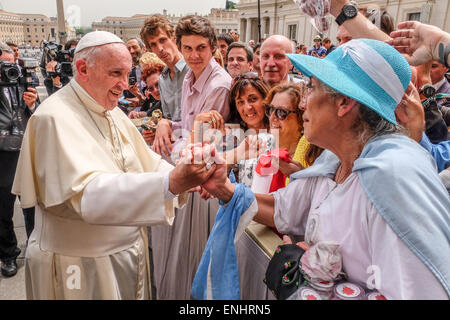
(95, 184)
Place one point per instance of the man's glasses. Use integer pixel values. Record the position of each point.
(281, 114)
(247, 76)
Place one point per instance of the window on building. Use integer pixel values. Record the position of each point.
(414, 16)
(292, 31)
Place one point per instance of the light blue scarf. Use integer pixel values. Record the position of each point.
(400, 179)
(217, 277)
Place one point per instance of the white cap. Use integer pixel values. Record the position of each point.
(97, 38)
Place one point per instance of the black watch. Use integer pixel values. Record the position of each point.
(428, 91)
(349, 11)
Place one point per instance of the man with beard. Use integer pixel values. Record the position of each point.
(136, 48)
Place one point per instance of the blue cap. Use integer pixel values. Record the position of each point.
(368, 71)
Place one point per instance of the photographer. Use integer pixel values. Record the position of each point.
(17, 103)
(56, 65)
(20, 62)
(136, 89)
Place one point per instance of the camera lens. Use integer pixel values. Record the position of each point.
(12, 73)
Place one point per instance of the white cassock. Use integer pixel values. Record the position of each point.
(95, 185)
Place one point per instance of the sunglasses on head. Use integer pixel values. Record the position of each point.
(281, 114)
(248, 76)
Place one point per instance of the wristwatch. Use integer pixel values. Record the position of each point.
(428, 91)
(349, 11)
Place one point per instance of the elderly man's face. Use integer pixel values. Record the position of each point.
(107, 77)
(238, 62)
(164, 47)
(135, 50)
(197, 52)
(343, 36)
(275, 65)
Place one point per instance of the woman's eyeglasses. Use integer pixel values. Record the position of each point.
(281, 114)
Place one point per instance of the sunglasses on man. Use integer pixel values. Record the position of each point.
(280, 114)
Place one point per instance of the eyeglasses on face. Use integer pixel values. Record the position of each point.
(281, 114)
(152, 88)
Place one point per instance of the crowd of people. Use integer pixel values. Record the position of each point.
(342, 146)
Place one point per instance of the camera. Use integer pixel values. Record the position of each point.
(9, 73)
(55, 52)
(132, 81)
(12, 76)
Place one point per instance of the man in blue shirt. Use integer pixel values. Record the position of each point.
(317, 50)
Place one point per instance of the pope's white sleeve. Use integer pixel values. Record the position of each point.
(128, 200)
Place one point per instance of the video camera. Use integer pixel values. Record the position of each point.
(13, 76)
(55, 52)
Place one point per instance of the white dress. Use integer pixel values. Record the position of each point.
(324, 211)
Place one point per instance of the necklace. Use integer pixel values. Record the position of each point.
(340, 178)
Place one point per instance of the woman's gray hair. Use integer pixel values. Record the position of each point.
(369, 124)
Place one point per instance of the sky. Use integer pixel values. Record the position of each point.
(96, 10)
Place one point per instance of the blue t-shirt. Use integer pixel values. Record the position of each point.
(320, 51)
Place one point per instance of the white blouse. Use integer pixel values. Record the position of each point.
(324, 211)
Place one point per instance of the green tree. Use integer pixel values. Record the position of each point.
(82, 31)
(230, 5)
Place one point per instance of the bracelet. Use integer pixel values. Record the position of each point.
(443, 54)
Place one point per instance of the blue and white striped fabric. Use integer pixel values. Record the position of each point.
(217, 276)
(369, 71)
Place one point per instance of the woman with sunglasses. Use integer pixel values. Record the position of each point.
(285, 118)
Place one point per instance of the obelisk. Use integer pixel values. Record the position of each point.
(61, 22)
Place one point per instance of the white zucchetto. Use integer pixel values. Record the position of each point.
(97, 38)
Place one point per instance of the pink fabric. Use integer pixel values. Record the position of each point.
(209, 92)
(322, 261)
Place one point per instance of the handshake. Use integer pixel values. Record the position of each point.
(201, 168)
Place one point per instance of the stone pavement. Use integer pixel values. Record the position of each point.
(14, 288)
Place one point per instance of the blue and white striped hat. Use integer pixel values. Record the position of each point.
(369, 71)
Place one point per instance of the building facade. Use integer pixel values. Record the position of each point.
(130, 27)
(29, 29)
(284, 17)
(11, 27)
